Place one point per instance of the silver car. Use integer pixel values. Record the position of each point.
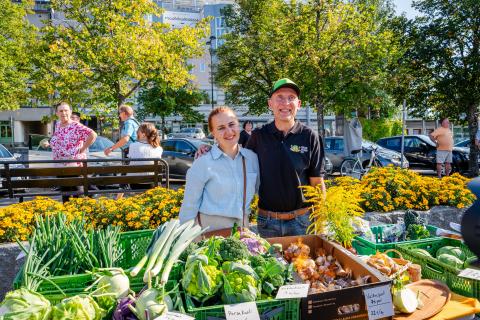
(192, 133)
(334, 149)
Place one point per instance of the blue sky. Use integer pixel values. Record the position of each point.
(405, 6)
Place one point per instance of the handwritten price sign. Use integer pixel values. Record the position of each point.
(293, 291)
(379, 302)
(242, 311)
(174, 316)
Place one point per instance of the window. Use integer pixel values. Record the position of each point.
(328, 144)
(220, 30)
(5, 130)
(417, 131)
(393, 144)
(183, 147)
(168, 145)
(413, 143)
(202, 67)
(338, 144)
(4, 153)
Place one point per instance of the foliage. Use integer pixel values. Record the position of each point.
(374, 129)
(390, 188)
(104, 51)
(145, 211)
(161, 100)
(336, 50)
(334, 212)
(17, 39)
(441, 74)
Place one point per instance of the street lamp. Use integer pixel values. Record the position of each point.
(210, 43)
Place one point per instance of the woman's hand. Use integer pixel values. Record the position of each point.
(202, 150)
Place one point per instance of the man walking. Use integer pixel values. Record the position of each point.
(443, 137)
(128, 133)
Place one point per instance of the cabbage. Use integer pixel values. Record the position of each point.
(23, 304)
(405, 300)
(422, 252)
(81, 307)
(453, 251)
(450, 260)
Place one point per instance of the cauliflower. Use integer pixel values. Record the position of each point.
(232, 249)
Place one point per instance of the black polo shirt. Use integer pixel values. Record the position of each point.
(286, 162)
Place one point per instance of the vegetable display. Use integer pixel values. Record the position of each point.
(81, 307)
(24, 304)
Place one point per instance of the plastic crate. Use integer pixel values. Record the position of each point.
(288, 309)
(432, 268)
(367, 247)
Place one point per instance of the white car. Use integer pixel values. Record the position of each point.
(43, 152)
(194, 133)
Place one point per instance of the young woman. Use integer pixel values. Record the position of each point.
(221, 184)
(147, 146)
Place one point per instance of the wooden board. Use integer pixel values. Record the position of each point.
(434, 295)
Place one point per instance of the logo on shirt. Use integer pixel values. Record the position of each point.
(301, 149)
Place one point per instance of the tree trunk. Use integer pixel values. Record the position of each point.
(472, 129)
(163, 127)
(320, 117)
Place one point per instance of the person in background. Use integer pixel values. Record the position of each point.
(70, 140)
(443, 137)
(220, 185)
(146, 146)
(76, 117)
(246, 132)
(128, 133)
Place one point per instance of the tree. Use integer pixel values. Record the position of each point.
(159, 99)
(104, 51)
(338, 51)
(443, 58)
(17, 38)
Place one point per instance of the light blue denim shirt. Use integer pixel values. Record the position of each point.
(129, 128)
(215, 185)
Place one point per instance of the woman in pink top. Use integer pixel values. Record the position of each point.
(70, 140)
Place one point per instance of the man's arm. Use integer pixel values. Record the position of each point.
(120, 143)
(314, 181)
(433, 136)
(90, 140)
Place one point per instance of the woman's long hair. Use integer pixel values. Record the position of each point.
(149, 130)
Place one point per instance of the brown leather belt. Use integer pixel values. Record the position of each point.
(283, 215)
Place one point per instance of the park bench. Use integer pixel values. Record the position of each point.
(96, 176)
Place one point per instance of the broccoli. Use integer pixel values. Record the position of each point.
(257, 261)
(232, 249)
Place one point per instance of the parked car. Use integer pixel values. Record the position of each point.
(328, 165)
(421, 152)
(463, 144)
(44, 152)
(179, 153)
(194, 133)
(334, 149)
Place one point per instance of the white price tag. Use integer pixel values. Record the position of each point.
(292, 291)
(379, 302)
(470, 273)
(242, 311)
(174, 316)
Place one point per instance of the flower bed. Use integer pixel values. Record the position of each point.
(144, 211)
(390, 188)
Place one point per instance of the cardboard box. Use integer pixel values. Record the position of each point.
(327, 305)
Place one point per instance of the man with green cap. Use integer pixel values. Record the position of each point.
(290, 155)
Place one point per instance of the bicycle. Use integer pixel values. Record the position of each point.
(354, 167)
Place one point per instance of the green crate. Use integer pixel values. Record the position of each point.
(367, 247)
(288, 309)
(434, 269)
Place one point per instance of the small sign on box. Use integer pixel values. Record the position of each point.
(379, 302)
(470, 274)
(293, 291)
(242, 311)
(174, 316)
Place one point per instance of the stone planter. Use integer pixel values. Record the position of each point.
(9, 266)
(439, 216)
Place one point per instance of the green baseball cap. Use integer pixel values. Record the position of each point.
(285, 83)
